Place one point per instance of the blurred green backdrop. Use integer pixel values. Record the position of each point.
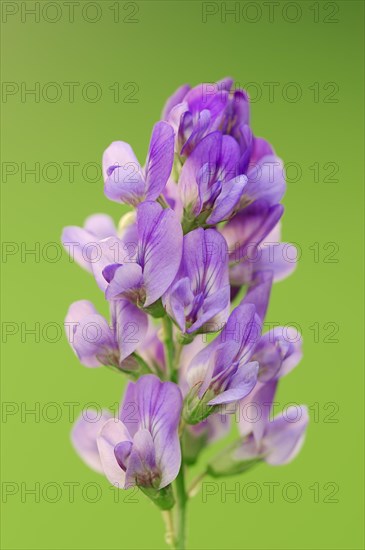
(101, 71)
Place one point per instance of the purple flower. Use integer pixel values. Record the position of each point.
(253, 238)
(281, 439)
(265, 175)
(221, 374)
(245, 231)
(280, 442)
(96, 343)
(81, 242)
(196, 112)
(278, 352)
(144, 270)
(142, 447)
(126, 181)
(210, 185)
(258, 293)
(200, 292)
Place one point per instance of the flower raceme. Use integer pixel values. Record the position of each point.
(198, 254)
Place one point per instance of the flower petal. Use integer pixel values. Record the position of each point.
(260, 400)
(119, 153)
(125, 279)
(159, 406)
(266, 180)
(279, 258)
(241, 385)
(258, 293)
(176, 98)
(112, 433)
(160, 248)
(80, 244)
(285, 435)
(160, 159)
(141, 467)
(84, 435)
(227, 200)
(130, 325)
(89, 333)
(100, 225)
(249, 227)
(126, 185)
(205, 153)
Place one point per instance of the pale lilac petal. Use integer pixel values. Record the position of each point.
(129, 411)
(240, 386)
(159, 406)
(279, 351)
(112, 433)
(202, 289)
(173, 199)
(266, 180)
(130, 325)
(89, 333)
(270, 353)
(285, 435)
(261, 148)
(205, 153)
(141, 467)
(119, 153)
(205, 260)
(215, 311)
(249, 227)
(225, 83)
(84, 435)
(197, 130)
(122, 452)
(126, 184)
(279, 258)
(100, 225)
(207, 96)
(234, 344)
(110, 251)
(248, 449)
(160, 160)
(227, 200)
(229, 158)
(178, 297)
(294, 352)
(126, 278)
(187, 355)
(176, 98)
(160, 249)
(80, 244)
(243, 328)
(258, 293)
(255, 409)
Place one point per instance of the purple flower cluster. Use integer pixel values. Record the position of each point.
(198, 254)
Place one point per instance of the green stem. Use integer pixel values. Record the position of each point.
(195, 485)
(175, 370)
(169, 347)
(169, 528)
(181, 498)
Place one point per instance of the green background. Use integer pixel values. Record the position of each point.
(168, 46)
